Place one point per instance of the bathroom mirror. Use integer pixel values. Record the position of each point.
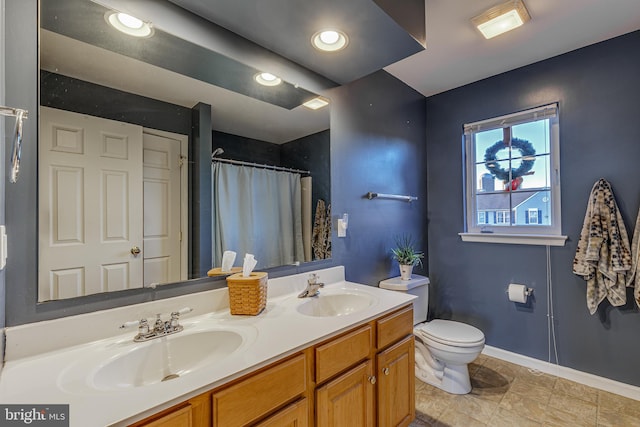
(127, 101)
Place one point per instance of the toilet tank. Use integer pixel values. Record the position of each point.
(418, 286)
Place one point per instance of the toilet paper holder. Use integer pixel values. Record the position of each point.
(518, 293)
(528, 291)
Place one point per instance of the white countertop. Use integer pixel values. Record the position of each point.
(45, 374)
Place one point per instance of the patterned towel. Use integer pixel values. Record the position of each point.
(635, 260)
(321, 240)
(603, 257)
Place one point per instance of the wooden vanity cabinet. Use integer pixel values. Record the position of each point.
(294, 415)
(396, 382)
(375, 382)
(395, 368)
(251, 399)
(362, 377)
(177, 417)
(246, 401)
(348, 400)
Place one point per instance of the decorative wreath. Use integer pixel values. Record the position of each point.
(526, 149)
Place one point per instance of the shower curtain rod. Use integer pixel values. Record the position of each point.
(258, 165)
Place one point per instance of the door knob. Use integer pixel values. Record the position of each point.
(372, 379)
(385, 371)
(135, 251)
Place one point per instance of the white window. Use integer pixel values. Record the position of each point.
(513, 178)
(482, 217)
(502, 217)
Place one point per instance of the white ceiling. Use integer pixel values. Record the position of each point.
(457, 54)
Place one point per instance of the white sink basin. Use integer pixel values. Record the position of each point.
(335, 304)
(129, 365)
(167, 358)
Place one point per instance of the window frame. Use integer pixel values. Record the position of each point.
(537, 234)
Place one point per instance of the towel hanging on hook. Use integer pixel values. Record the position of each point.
(16, 151)
(603, 256)
(633, 277)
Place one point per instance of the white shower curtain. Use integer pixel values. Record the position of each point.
(256, 211)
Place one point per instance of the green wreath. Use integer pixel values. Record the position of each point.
(526, 149)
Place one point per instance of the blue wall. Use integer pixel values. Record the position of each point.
(377, 145)
(598, 90)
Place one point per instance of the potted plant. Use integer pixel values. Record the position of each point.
(406, 255)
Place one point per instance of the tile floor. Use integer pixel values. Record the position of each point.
(509, 395)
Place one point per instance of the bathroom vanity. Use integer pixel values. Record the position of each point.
(352, 379)
(345, 357)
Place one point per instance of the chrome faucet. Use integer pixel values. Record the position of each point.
(313, 287)
(160, 328)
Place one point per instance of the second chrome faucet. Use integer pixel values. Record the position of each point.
(313, 287)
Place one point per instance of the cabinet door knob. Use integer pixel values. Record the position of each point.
(372, 379)
(385, 371)
(135, 251)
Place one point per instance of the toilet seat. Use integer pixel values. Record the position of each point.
(451, 333)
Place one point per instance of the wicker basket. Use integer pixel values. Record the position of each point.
(247, 295)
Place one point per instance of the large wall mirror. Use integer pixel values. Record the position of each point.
(114, 157)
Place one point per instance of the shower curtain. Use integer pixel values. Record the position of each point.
(256, 211)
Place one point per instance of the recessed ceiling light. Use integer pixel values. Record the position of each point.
(316, 103)
(329, 40)
(501, 18)
(129, 24)
(267, 79)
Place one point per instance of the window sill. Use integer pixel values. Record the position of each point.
(515, 239)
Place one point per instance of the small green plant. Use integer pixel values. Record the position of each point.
(404, 252)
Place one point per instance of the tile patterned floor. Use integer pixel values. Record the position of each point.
(509, 395)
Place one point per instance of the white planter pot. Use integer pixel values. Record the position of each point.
(405, 271)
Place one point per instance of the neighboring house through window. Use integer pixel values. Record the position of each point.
(513, 178)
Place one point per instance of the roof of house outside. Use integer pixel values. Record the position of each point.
(500, 201)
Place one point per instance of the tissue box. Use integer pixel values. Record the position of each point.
(247, 295)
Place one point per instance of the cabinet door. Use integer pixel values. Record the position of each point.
(179, 418)
(348, 399)
(396, 400)
(294, 415)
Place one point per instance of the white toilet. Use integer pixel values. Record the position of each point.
(444, 348)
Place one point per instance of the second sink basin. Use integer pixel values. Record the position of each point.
(338, 303)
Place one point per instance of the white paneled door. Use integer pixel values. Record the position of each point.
(90, 205)
(162, 208)
(113, 206)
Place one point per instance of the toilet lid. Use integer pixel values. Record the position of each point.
(453, 333)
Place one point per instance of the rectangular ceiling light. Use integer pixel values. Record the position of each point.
(316, 103)
(501, 18)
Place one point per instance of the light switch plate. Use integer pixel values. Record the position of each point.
(3, 247)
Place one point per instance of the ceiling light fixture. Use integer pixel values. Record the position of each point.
(501, 18)
(329, 40)
(267, 79)
(129, 24)
(316, 103)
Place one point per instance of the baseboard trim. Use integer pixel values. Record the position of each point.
(626, 390)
